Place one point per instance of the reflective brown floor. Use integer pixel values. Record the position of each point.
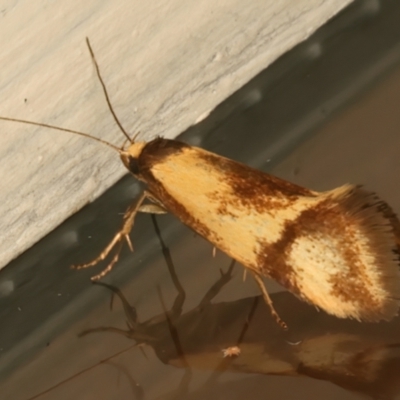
(325, 114)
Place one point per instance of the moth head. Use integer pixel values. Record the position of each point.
(130, 157)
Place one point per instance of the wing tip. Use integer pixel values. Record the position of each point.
(379, 228)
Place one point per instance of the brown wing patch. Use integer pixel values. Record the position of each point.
(250, 188)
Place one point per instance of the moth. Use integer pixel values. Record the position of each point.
(338, 250)
(233, 351)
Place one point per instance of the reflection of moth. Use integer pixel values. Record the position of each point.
(337, 250)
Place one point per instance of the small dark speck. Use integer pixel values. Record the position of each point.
(25, 100)
(47, 344)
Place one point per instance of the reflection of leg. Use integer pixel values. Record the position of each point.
(176, 309)
(215, 289)
(130, 312)
(137, 390)
(183, 388)
(117, 241)
(268, 300)
(173, 315)
(248, 320)
(135, 330)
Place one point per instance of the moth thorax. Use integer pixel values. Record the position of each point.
(135, 149)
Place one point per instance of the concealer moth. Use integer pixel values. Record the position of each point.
(338, 250)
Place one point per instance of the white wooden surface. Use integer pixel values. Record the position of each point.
(166, 65)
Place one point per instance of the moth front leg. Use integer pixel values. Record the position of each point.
(120, 236)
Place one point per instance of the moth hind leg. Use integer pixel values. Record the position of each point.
(268, 300)
(117, 240)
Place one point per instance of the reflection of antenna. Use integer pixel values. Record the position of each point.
(83, 371)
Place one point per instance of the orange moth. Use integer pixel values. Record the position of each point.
(338, 250)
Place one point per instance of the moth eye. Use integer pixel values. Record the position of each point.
(133, 165)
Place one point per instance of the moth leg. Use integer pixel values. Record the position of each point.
(268, 300)
(123, 233)
(152, 209)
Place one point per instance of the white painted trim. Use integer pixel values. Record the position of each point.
(166, 65)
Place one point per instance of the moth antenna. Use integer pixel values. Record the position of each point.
(106, 93)
(135, 136)
(58, 128)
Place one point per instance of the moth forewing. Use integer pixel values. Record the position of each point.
(336, 250)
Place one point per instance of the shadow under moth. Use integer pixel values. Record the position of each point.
(338, 250)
